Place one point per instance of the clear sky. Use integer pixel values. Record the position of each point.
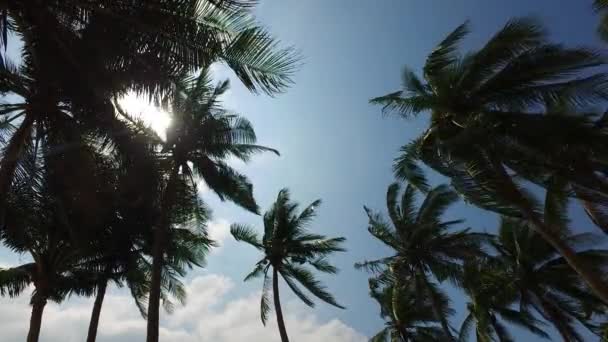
(337, 147)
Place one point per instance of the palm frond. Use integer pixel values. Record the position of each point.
(435, 203)
(307, 279)
(255, 58)
(406, 166)
(14, 280)
(466, 327)
(247, 234)
(445, 53)
(265, 301)
(226, 182)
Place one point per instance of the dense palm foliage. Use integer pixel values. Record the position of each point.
(201, 137)
(36, 224)
(424, 245)
(95, 51)
(78, 58)
(409, 315)
(491, 295)
(288, 246)
(94, 197)
(491, 127)
(543, 281)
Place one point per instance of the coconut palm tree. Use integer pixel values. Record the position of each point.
(288, 246)
(36, 225)
(125, 262)
(544, 281)
(424, 245)
(542, 278)
(490, 127)
(492, 293)
(85, 53)
(201, 137)
(409, 314)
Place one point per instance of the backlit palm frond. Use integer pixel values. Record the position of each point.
(13, 281)
(260, 64)
(445, 53)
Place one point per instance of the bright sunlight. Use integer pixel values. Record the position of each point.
(140, 107)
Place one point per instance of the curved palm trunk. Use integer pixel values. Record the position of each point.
(94, 323)
(277, 305)
(158, 250)
(38, 304)
(595, 283)
(436, 311)
(593, 280)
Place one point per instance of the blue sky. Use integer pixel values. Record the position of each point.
(337, 147)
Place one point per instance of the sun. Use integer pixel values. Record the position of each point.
(140, 107)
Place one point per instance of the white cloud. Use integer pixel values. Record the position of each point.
(218, 231)
(207, 316)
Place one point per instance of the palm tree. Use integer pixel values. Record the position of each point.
(287, 246)
(201, 137)
(410, 315)
(423, 244)
(490, 127)
(124, 262)
(35, 226)
(86, 53)
(492, 293)
(544, 280)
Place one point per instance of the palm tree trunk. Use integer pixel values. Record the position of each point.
(438, 314)
(595, 283)
(593, 280)
(38, 303)
(158, 250)
(277, 305)
(101, 293)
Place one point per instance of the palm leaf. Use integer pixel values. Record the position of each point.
(307, 279)
(265, 301)
(246, 234)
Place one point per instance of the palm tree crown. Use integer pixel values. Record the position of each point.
(288, 246)
(423, 244)
(492, 124)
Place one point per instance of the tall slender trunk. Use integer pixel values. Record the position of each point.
(38, 303)
(436, 311)
(158, 251)
(589, 276)
(94, 323)
(277, 305)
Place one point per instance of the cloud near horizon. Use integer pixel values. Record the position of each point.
(208, 316)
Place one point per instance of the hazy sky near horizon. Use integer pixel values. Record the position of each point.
(334, 146)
